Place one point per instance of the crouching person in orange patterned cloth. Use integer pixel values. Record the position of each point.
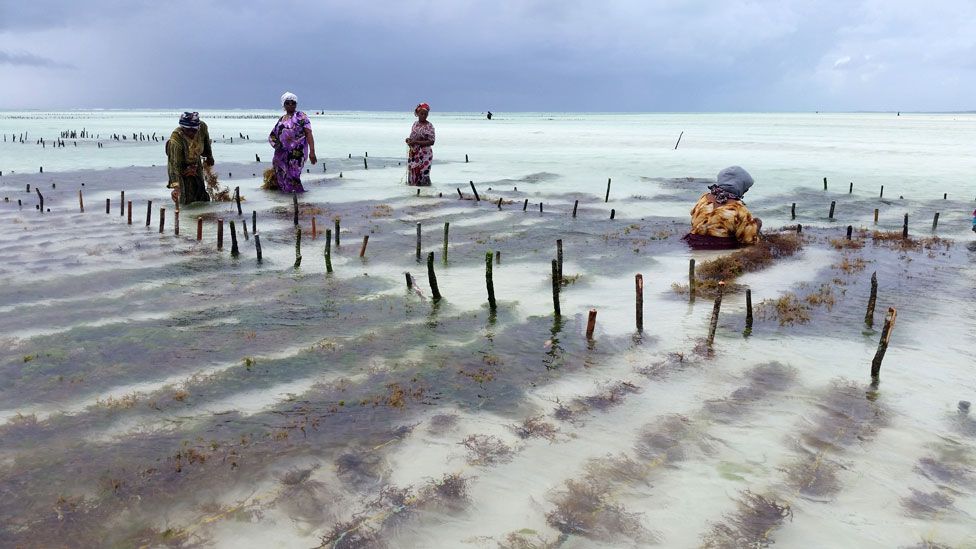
(720, 220)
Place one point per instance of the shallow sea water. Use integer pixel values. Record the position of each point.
(159, 392)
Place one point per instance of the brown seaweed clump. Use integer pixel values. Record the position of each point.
(535, 427)
(665, 441)
(755, 519)
(751, 258)
(814, 477)
(847, 416)
(522, 540)
(787, 310)
(617, 469)
(585, 509)
(441, 423)
(360, 469)
(487, 450)
(763, 379)
(352, 534)
(270, 181)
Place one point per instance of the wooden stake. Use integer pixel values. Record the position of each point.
(591, 324)
(889, 325)
(162, 219)
(875, 216)
(122, 204)
(365, 166)
(489, 282)
(793, 211)
(799, 228)
(559, 258)
(713, 325)
(148, 213)
(41, 198)
(499, 202)
(362, 251)
(613, 213)
(850, 190)
(639, 286)
(607, 198)
(81, 201)
(176, 222)
(691, 278)
(314, 230)
(328, 250)
(237, 198)
(825, 183)
(872, 299)
(298, 247)
(409, 281)
(294, 199)
(234, 250)
(128, 217)
(498, 257)
(220, 234)
(575, 205)
(679, 140)
(935, 221)
(254, 221)
(831, 214)
(447, 227)
(108, 205)
(257, 245)
(460, 196)
(337, 233)
(525, 204)
(882, 192)
(850, 231)
(418, 242)
(200, 229)
(555, 288)
(540, 207)
(904, 228)
(749, 309)
(432, 277)
(465, 159)
(476, 196)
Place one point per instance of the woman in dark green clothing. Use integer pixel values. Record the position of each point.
(186, 149)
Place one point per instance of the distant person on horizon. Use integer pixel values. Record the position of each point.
(420, 141)
(489, 115)
(186, 146)
(293, 144)
(720, 220)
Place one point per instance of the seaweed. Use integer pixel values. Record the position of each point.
(814, 477)
(664, 442)
(756, 517)
(352, 534)
(535, 427)
(360, 469)
(618, 469)
(441, 423)
(487, 450)
(927, 505)
(584, 509)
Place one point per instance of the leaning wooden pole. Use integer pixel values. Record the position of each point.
(559, 258)
(713, 325)
(234, 250)
(447, 227)
(590, 324)
(883, 343)
(432, 277)
(872, 299)
(362, 251)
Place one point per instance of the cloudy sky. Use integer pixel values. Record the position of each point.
(528, 55)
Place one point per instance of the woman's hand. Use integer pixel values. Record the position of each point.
(409, 141)
(311, 156)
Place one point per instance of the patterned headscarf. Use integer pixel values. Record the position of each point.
(190, 120)
(424, 106)
(732, 183)
(288, 96)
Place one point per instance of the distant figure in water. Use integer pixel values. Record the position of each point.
(293, 144)
(974, 221)
(420, 141)
(186, 146)
(720, 220)
(489, 115)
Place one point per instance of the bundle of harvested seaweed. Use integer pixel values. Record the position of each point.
(270, 181)
(213, 186)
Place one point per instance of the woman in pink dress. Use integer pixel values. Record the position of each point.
(420, 141)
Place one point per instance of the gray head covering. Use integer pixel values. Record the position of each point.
(732, 182)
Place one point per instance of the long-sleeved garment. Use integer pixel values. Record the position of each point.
(291, 150)
(420, 158)
(183, 152)
(731, 219)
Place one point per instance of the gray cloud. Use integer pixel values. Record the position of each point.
(529, 55)
(29, 60)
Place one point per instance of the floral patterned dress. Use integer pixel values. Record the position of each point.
(729, 220)
(291, 151)
(419, 159)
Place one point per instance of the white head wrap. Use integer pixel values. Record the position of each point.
(288, 96)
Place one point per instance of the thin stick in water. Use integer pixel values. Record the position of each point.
(889, 325)
(432, 278)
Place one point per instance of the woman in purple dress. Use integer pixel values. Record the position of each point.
(293, 143)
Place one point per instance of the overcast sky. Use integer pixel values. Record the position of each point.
(529, 55)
